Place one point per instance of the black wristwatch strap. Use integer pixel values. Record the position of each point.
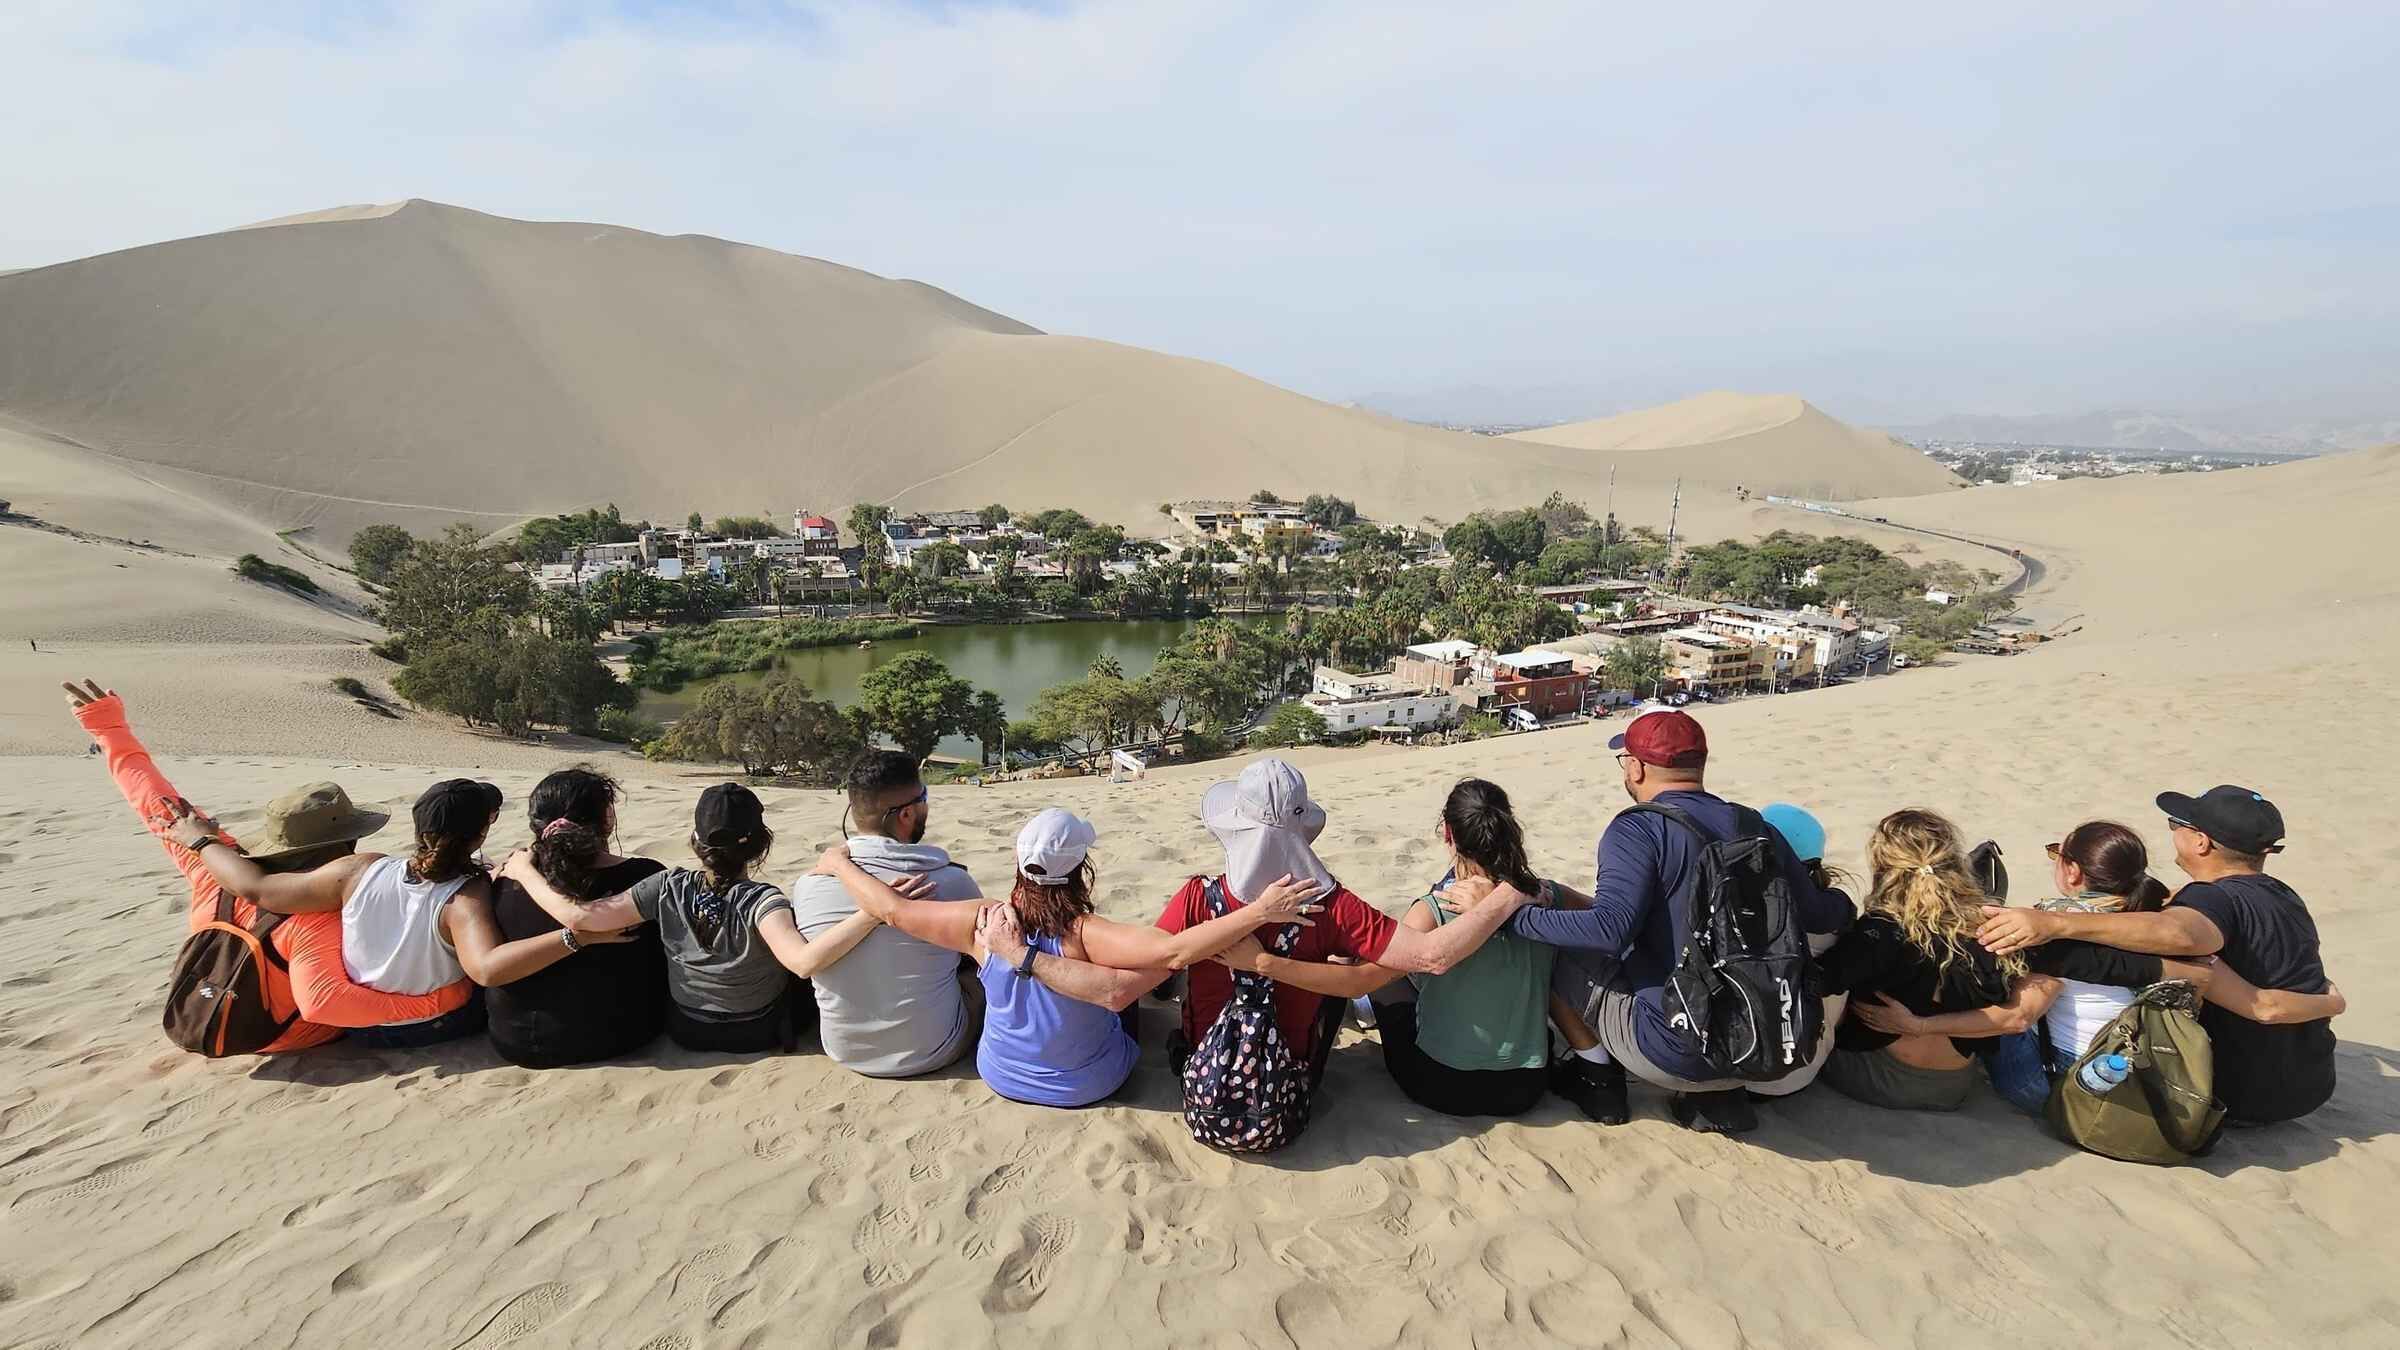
(1025, 966)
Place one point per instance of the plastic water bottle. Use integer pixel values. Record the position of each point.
(2103, 1073)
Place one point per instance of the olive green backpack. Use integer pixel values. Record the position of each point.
(2166, 1111)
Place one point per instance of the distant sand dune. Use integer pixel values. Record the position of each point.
(335, 368)
(1772, 443)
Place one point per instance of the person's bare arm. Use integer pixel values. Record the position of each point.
(488, 958)
(944, 923)
(1142, 947)
(1102, 986)
(604, 915)
(1334, 979)
(314, 891)
(1435, 953)
(804, 957)
(2272, 1007)
(2173, 931)
(2031, 997)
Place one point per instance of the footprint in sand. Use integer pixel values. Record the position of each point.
(768, 1142)
(695, 1283)
(1024, 1275)
(885, 1238)
(101, 1180)
(521, 1316)
(1004, 1179)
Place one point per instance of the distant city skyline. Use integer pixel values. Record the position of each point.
(1526, 212)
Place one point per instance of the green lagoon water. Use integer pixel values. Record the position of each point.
(1014, 660)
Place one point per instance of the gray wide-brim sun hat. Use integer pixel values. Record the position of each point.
(1267, 822)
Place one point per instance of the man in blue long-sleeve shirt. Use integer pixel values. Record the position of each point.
(1614, 957)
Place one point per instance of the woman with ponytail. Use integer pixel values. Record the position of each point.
(1476, 1040)
(598, 1000)
(2073, 990)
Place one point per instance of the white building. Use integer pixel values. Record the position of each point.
(1387, 708)
(628, 554)
(1939, 597)
(1341, 684)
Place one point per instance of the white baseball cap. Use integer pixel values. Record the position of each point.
(1052, 845)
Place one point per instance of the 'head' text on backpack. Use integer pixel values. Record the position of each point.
(1244, 1090)
(1743, 987)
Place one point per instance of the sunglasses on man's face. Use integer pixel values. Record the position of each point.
(2174, 824)
(924, 794)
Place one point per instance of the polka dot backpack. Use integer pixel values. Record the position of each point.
(1244, 1089)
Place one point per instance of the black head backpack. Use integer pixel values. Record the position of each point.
(1244, 1089)
(1743, 989)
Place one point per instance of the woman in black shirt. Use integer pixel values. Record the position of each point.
(1915, 945)
(608, 999)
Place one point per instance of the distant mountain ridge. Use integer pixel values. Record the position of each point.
(2134, 429)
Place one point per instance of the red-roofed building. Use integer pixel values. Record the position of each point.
(819, 536)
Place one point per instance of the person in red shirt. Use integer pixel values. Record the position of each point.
(1267, 825)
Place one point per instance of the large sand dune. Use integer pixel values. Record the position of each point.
(422, 363)
(1771, 443)
(2239, 626)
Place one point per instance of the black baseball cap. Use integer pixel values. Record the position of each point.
(729, 816)
(456, 808)
(2236, 817)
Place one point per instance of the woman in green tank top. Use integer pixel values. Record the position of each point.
(1475, 1041)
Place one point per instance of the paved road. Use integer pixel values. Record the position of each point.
(2029, 572)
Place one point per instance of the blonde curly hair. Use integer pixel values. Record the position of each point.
(1921, 883)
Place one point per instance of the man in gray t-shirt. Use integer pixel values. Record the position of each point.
(729, 973)
(894, 1007)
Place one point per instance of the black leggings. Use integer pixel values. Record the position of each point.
(778, 1028)
(1453, 1092)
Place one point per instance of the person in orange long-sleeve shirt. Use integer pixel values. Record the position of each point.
(305, 829)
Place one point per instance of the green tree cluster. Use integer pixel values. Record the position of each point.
(1329, 513)
(555, 538)
(252, 567)
(1289, 725)
(747, 527)
(775, 727)
(375, 549)
(479, 648)
(916, 701)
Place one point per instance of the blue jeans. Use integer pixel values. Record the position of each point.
(465, 1020)
(2021, 1072)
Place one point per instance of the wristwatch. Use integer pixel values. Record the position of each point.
(1025, 964)
(567, 936)
(202, 847)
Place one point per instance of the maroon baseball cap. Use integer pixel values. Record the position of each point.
(1666, 738)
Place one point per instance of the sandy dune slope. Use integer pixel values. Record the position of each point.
(422, 363)
(2234, 627)
(1784, 444)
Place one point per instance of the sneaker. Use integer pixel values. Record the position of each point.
(1727, 1112)
(1599, 1089)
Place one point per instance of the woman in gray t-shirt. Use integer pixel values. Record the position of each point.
(732, 948)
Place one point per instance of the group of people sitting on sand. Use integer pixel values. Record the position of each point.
(1493, 989)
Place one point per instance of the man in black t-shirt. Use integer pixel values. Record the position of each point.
(2235, 911)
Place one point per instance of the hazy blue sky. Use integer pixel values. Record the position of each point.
(1896, 209)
